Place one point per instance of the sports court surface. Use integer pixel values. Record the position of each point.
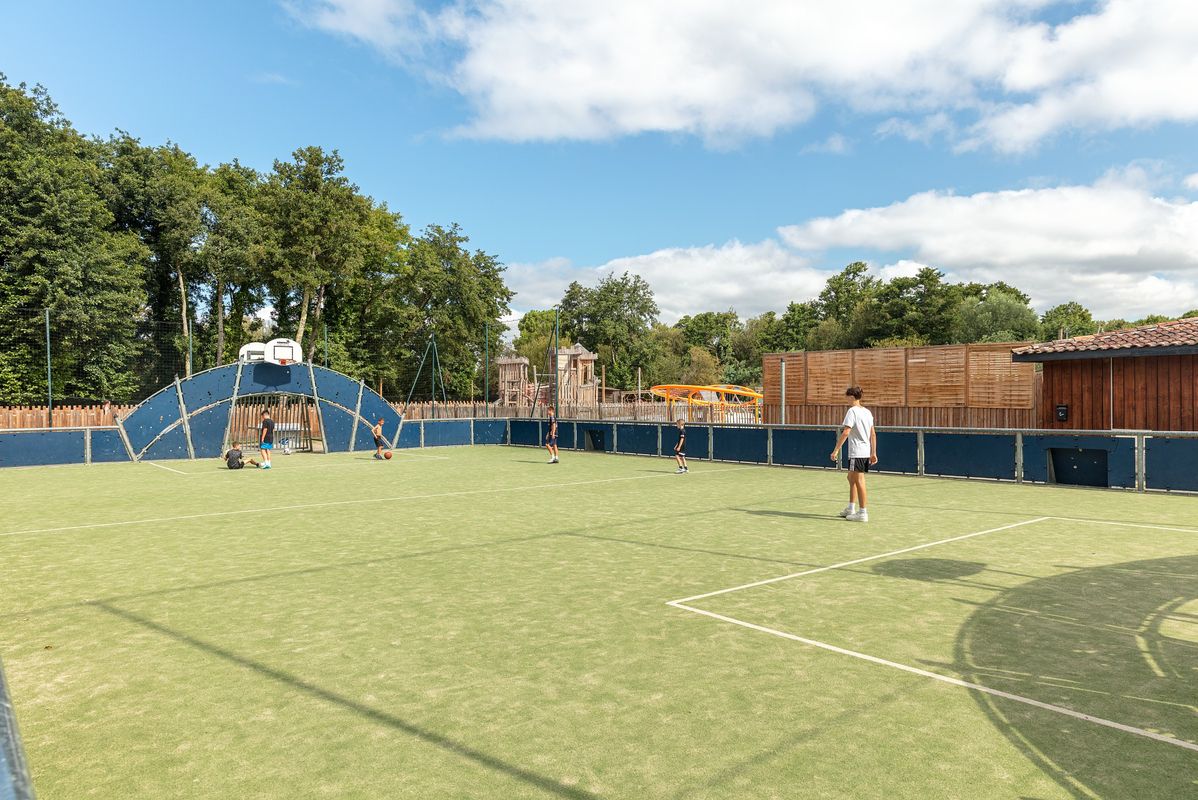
(473, 622)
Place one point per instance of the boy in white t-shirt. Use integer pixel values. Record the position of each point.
(858, 431)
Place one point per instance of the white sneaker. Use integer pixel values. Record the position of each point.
(847, 510)
(860, 516)
(679, 471)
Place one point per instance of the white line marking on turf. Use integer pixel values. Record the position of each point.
(168, 469)
(855, 561)
(363, 501)
(1127, 524)
(1069, 712)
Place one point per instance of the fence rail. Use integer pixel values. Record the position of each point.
(14, 774)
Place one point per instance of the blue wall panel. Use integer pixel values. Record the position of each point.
(698, 437)
(973, 455)
(740, 444)
(338, 425)
(208, 430)
(805, 448)
(173, 444)
(898, 451)
(151, 417)
(375, 408)
(490, 431)
(446, 433)
(639, 439)
(1121, 456)
(107, 446)
(209, 387)
(1170, 463)
(271, 378)
(526, 432)
(409, 435)
(336, 387)
(33, 448)
(594, 436)
(567, 435)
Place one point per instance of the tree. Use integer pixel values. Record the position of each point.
(612, 320)
(317, 218)
(665, 353)
(60, 250)
(712, 331)
(845, 290)
(1072, 319)
(701, 367)
(1191, 313)
(1151, 319)
(1001, 317)
(796, 324)
(536, 337)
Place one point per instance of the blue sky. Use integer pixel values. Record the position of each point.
(732, 155)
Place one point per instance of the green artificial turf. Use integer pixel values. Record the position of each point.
(473, 622)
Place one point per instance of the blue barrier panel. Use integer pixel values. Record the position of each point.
(490, 431)
(1121, 456)
(336, 387)
(567, 435)
(898, 451)
(638, 439)
(207, 430)
(173, 444)
(697, 439)
(1169, 463)
(446, 433)
(35, 448)
(107, 446)
(375, 408)
(149, 419)
(409, 435)
(363, 438)
(209, 387)
(970, 455)
(741, 444)
(265, 378)
(526, 431)
(338, 426)
(594, 436)
(803, 448)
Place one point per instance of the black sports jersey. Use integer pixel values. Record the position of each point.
(268, 431)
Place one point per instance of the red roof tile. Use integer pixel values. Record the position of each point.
(1178, 333)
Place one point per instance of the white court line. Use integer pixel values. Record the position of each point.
(399, 498)
(160, 466)
(1127, 524)
(854, 561)
(1069, 712)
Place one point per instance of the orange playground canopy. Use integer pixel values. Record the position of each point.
(720, 398)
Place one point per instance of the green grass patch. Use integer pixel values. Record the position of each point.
(473, 622)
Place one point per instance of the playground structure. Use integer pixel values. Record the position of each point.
(575, 382)
(717, 403)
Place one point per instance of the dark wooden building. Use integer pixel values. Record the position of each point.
(1139, 379)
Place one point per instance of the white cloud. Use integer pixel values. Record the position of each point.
(836, 145)
(1113, 245)
(540, 69)
(1191, 181)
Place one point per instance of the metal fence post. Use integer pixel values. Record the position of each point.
(1019, 457)
(769, 446)
(49, 378)
(782, 397)
(921, 466)
(1141, 462)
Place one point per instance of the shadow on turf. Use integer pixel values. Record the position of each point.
(660, 546)
(373, 714)
(1115, 641)
(757, 512)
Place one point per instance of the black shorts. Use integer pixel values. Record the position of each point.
(378, 441)
(858, 465)
(550, 441)
(681, 453)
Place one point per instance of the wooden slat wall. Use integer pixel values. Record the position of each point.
(965, 386)
(884, 371)
(936, 376)
(995, 381)
(829, 373)
(1155, 393)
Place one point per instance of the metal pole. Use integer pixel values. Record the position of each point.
(189, 352)
(557, 358)
(326, 345)
(782, 405)
(637, 403)
(487, 368)
(49, 378)
(432, 375)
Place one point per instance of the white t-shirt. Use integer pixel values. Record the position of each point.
(861, 420)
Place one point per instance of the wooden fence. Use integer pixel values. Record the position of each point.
(952, 386)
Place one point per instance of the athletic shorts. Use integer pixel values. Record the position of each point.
(550, 440)
(267, 446)
(237, 465)
(858, 465)
(378, 441)
(681, 453)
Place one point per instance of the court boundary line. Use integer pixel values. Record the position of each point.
(1063, 710)
(161, 466)
(359, 501)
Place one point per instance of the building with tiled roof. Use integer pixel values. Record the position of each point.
(1143, 378)
(1178, 337)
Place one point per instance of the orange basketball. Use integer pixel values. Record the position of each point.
(387, 454)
